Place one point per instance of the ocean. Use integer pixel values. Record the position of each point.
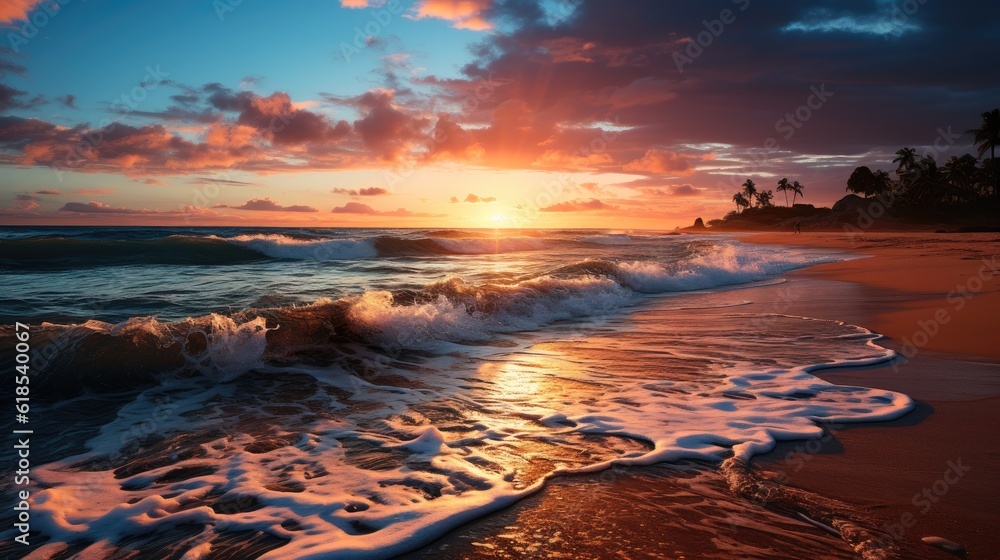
(358, 393)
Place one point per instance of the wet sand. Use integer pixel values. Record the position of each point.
(947, 445)
(922, 292)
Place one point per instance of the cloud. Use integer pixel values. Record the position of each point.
(685, 190)
(475, 199)
(364, 209)
(576, 161)
(49, 192)
(643, 91)
(68, 100)
(10, 98)
(578, 206)
(94, 207)
(153, 182)
(386, 128)
(366, 191)
(449, 139)
(175, 114)
(214, 181)
(23, 197)
(93, 192)
(358, 4)
(663, 162)
(284, 124)
(268, 205)
(882, 23)
(12, 10)
(21, 206)
(590, 89)
(463, 14)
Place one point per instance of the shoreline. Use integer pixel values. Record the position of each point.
(877, 466)
(920, 292)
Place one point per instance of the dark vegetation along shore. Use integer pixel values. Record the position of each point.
(960, 194)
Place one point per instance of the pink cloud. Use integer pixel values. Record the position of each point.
(364, 209)
(387, 129)
(268, 205)
(359, 4)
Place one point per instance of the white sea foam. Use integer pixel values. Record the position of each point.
(460, 469)
(523, 306)
(540, 301)
(724, 264)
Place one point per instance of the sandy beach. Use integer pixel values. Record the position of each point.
(944, 286)
(930, 473)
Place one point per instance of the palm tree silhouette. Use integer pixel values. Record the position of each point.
(987, 137)
(741, 202)
(749, 191)
(796, 189)
(765, 198)
(927, 184)
(960, 171)
(882, 181)
(784, 187)
(907, 157)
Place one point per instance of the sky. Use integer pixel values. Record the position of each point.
(470, 113)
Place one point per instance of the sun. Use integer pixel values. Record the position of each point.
(498, 218)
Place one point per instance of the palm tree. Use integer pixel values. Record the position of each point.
(926, 183)
(907, 157)
(741, 202)
(987, 137)
(749, 191)
(765, 199)
(783, 187)
(796, 190)
(960, 171)
(882, 181)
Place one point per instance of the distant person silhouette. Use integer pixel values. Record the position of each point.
(798, 227)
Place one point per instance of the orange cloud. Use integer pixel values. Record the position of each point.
(473, 199)
(464, 14)
(578, 206)
(11, 10)
(561, 159)
(366, 191)
(665, 162)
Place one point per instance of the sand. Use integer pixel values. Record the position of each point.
(937, 298)
(948, 285)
